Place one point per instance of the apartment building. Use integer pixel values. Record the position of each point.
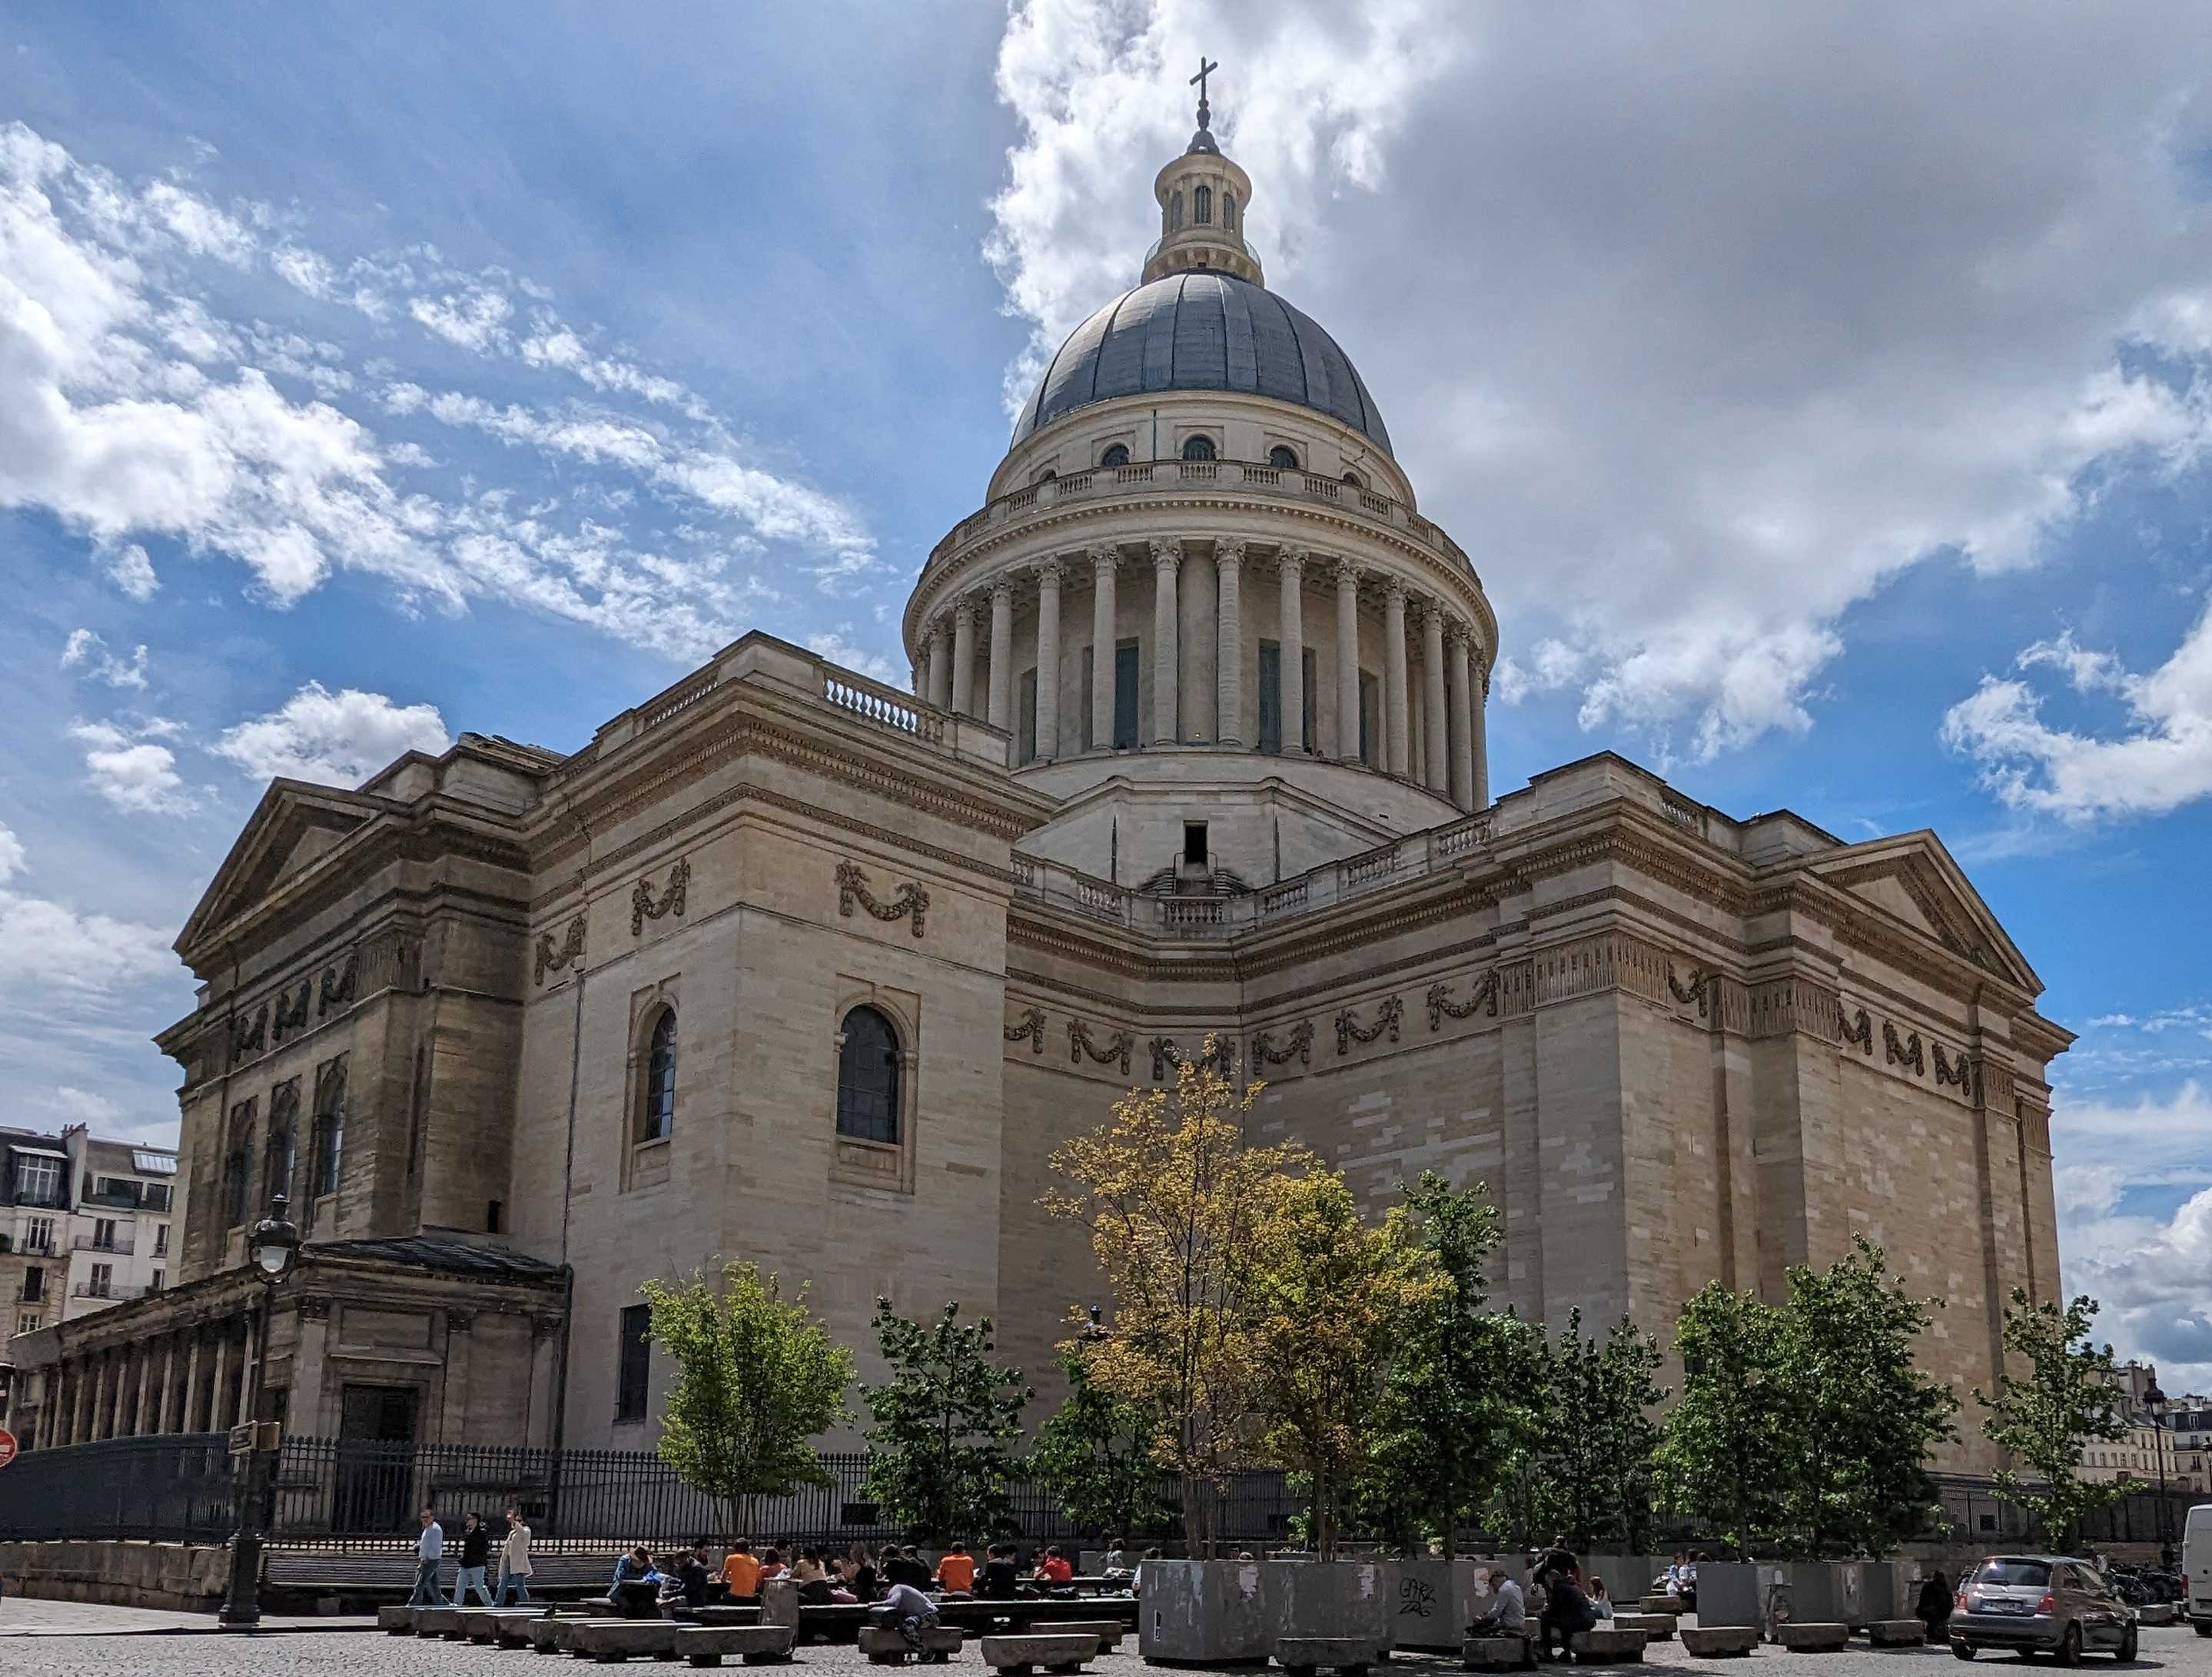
(34, 1237)
(119, 1229)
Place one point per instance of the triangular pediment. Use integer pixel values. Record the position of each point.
(295, 826)
(1913, 880)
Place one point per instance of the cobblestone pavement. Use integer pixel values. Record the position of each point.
(312, 1654)
(24, 1616)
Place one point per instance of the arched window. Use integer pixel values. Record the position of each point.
(281, 1152)
(1287, 459)
(1048, 475)
(1229, 209)
(868, 1078)
(1198, 448)
(1202, 206)
(330, 1126)
(656, 1109)
(238, 1166)
(1174, 212)
(1116, 454)
(1352, 478)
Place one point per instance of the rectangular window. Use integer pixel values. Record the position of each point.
(155, 1286)
(38, 1181)
(34, 1284)
(635, 1363)
(39, 1234)
(1124, 696)
(1370, 733)
(157, 1196)
(1308, 689)
(103, 1234)
(1194, 842)
(160, 1240)
(1083, 708)
(1271, 695)
(1025, 739)
(102, 1282)
(30, 1323)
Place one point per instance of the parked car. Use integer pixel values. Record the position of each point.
(2049, 1604)
(2197, 1567)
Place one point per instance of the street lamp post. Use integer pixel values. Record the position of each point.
(2153, 1400)
(271, 1251)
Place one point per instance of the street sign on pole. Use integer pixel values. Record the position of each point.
(8, 1447)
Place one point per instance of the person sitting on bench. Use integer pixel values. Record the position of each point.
(910, 1611)
(1509, 1612)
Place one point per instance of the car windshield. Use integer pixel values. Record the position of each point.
(2022, 1572)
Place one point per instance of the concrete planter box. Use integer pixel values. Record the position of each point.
(1828, 1592)
(1436, 1602)
(1204, 1612)
(1335, 1599)
(1730, 1593)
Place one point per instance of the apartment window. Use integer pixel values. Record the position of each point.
(116, 1189)
(30, 1323)
(38, 1181)
(155, 1286)
(34, 1284)
(160, 1240)
(102, 1284)
(157, 1196)
(103, 1234)
(634, 1362)
(1025, 739)
(39, 1234)
(1124, 696)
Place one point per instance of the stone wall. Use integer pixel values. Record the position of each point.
(183, 1577)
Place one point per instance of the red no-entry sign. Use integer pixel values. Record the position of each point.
(7, 1446)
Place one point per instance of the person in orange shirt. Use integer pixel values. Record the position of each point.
(1054, 1568)
(741, 1571)
(956, 1570)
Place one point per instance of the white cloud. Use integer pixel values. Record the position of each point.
(87, 650)
(475, 319)
(340, 738)
(13, 858)
(1690, 363)
(838, 648)
(2161, 760)
(125, 767)
(133, 571)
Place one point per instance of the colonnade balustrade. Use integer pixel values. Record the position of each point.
(184, 1380)
(1452, 760)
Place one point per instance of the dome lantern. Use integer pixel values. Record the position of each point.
(1203, 197)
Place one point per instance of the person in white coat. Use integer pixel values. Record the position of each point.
(514, 1559)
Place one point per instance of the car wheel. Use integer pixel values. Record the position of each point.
(1962, 1650)
(2127, 1649)
(2069, 1648)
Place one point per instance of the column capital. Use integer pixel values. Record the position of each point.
(1048, 572)
(964, 608)
(1229, 555)
(1345, 569)
(1393, 589)
(1430, 609)
(1291, 560)
(1457, 634)
(1166, 555)
(1002, 588)
(1103, 558)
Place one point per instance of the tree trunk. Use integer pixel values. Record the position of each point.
(1193, 1517)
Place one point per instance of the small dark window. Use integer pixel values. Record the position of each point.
(1025, 739)
(1352, 478)
(330, 1126)
(1116, 454)
(1124, 696)
(1048, 475)
(1287, 459)
(1202, 206)
(34, 1284)
(1229, 209)
(635, 1363)
(868, 1078)
(1194, 841)
(494, 1213)
(1198, 448)
(1174, 211)
(656, 1114)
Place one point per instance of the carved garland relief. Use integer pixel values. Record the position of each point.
(1441, 1004)
(1350, 1031)
(1166, 1053)
(643, 907)
(1029, 1030)
(1116, 1051)
(552, 958)
(1298, 1045)
(853, 887)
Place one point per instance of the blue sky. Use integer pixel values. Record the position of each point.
(1823, 401)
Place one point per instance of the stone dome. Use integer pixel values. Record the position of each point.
(1197, 330)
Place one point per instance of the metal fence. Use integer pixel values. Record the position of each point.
(177, 1489)
(1976, 1515)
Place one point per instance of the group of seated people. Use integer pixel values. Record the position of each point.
(689, 1579)
(1562, 1602)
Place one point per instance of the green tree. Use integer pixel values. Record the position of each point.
(1452, 1412)
(1095, 1453)
(2069, 1397)
(1590, 1463)
(1727, 1446)
(1336, 1296)
(940, 1450)
(757, 1379)
(1863, 1416)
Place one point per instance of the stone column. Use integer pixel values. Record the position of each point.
(1397, 723)
(147, 1419)
(941, 667)
(1462, 717)
(189, 1420)
(1167, 564)
(1347, 660)
(963, 659)
(544, 1363)
(1102, 561)
(1479, 731)
(1291, 635)
(1229, 655)
(310, 1353)
(1002, 654)
(1047, 709)
(220, 1418)
(1198, 604)
(168, 1421)
(1436, 735)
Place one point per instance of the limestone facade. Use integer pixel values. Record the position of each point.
(786, 965)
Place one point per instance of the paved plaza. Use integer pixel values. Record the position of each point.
(63, 1639)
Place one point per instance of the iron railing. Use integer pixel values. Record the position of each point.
(174, 1489)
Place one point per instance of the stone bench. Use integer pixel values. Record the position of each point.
(1896, 1632)
(1720, 1642)
(611, 1641)
(480, 1624)
(550, 1635)
(396, 1621)
(1604, 1647)
(1054, 1650)
(2155, 1613)
(1656, 1626)
(1812, 1639)
(1108, 1631)
(514, 1630)
(1303, 1655)
(1662, 1603)
(1497, 1654)
(437, 1621)
(883, 1645)
(756, 1645)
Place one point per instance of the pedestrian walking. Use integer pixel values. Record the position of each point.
(430, 1550)
(514, 1567)
(476, 1556)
